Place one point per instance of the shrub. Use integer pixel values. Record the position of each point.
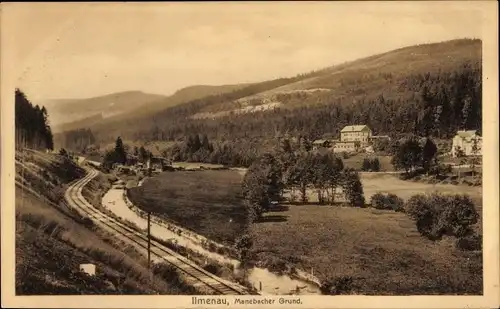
(353, 188)
(366, 164)
(337, 286)
(370, 165)
(469, 243)
(243, 245)
(441, 169)
(437, 215)
(276, 265)
(387, 202)
(213, 268)
(375, 165)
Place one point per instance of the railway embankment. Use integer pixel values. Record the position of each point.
(53, 240)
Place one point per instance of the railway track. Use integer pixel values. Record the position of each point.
(193, 274)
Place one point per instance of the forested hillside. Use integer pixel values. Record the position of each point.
(76, 140)
(429, 90)
(32, 126)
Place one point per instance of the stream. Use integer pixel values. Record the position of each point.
(268, 282)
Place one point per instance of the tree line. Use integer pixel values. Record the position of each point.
(76, 140)
(268, 176)
(31, 124)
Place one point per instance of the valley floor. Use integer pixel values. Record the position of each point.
(381, 250)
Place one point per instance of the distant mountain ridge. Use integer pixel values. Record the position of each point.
(63, 112)
(71, 114)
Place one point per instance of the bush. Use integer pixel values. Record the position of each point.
(337, 286)
(353, 188)
(276, 265)
(441, 169)
(372, 165)
(387, 202)
(437, 215)
(213, 269)
(469, 243)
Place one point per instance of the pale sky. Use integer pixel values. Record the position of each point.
(76, 50)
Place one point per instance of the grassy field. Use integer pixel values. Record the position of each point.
(207, 202)
(195, 165)
(390, 183)
(380, 182)
(356, 161)
(373, 182)
(382, 250)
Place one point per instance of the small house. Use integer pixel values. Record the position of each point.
(463, 144)
(131, 159)
(347, 146)
(321, 143)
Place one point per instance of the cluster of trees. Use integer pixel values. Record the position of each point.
(116, 155)
(412, 153)
(78, 140)
(32, 126)
(387, 201)
(262, 185)
(141, 153)
(438, 215)
(271, 173)
(435, 215)
(230, 153)
(304, 169)
(121, 151)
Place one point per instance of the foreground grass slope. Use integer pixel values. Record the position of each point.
(207, 202)
(381, 250)
(53, 239)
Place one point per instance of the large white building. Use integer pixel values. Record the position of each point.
(464, 141)
(360, 133)
(353, 138)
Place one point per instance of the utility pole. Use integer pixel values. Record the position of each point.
(149, 240)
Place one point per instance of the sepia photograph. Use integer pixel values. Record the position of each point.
(250, 154)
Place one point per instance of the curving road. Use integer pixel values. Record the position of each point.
(192, 273)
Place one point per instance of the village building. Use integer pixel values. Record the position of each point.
(157, 163)
(321, 143)
(131, 159)
(463, 143)
(353, 138)
(352, 133)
